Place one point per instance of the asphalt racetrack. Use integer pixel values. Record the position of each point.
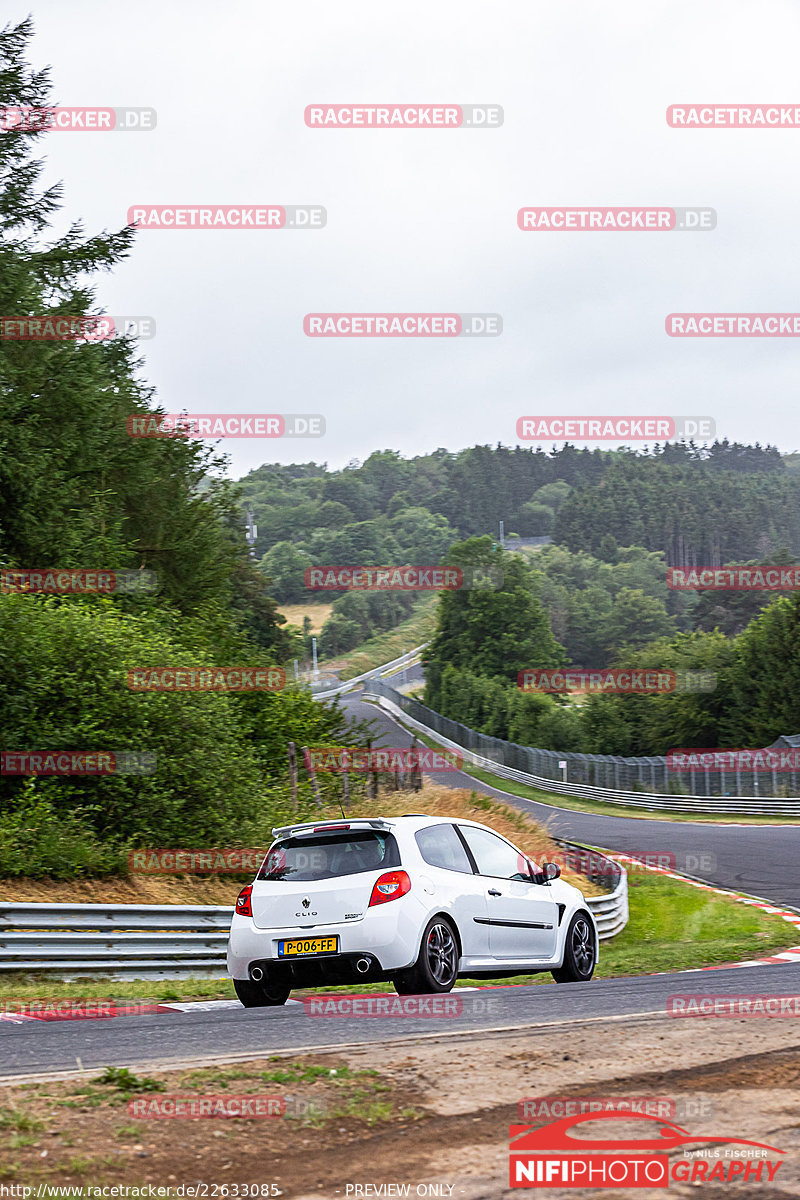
(218, 1032)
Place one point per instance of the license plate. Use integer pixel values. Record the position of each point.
(302, 946)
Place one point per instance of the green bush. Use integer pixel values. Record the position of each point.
(35, 840)
(220, 759)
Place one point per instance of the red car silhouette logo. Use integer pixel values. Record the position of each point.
(556, 1136)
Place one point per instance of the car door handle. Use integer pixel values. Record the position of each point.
(494, 892)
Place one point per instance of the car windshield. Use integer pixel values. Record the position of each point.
(327, 856)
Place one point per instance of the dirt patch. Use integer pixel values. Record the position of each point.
(317, 614)
(419, 1114)
(124, 1128)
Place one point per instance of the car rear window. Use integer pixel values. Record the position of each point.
(322, 856)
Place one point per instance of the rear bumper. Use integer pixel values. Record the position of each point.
(321, 972)
(387, 938)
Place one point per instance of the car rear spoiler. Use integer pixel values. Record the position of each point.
(310, 826)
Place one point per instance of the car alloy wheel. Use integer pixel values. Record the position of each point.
(580, 952)
(436, 967)
(441, 953)
(583, 947)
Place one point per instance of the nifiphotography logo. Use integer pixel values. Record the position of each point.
(553, 1155)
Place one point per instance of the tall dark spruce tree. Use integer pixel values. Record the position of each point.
(75, 489)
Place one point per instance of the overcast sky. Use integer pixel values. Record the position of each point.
(426, 220)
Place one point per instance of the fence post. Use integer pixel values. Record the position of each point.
(415, 773)
(371, 782)
(293, 772)
(312, 774)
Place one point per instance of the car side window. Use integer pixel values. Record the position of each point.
(440, 846)
(494, 856)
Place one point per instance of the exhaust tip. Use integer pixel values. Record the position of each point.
(257, 973)
(363, 965)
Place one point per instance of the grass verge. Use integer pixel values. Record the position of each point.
(384, 647)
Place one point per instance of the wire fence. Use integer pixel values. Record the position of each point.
(609, 773)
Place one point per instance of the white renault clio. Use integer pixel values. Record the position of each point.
(417, 900)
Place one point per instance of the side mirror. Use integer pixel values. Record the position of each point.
(551, 871)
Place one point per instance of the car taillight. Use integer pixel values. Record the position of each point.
(389, 887)
(243, 906)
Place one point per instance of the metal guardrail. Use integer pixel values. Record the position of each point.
(120, 939)
(404, 660)
(398, 705)
(610, 911)
(137, 941)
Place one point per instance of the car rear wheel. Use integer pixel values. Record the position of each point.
(436, 967)
(260, 995)
(580, 952)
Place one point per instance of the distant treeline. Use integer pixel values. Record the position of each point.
(484, 639)
(694, 513)
(695, 504)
